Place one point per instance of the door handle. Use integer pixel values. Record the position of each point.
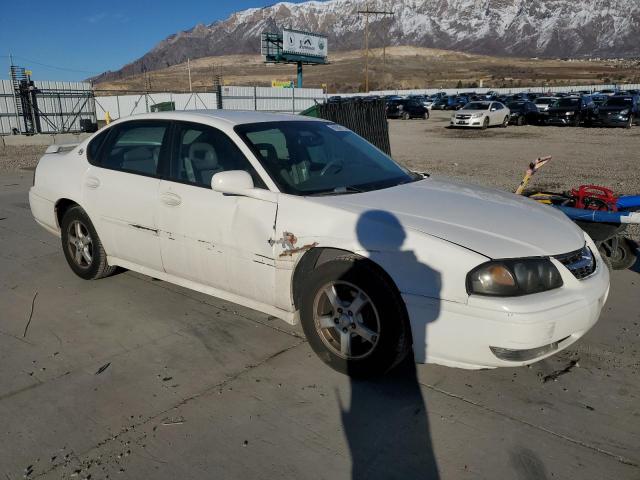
(92, 182)
(171, 199)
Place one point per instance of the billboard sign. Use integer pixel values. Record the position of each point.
(304, 43)
(282, 83)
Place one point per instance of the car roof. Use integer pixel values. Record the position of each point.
(231, 117)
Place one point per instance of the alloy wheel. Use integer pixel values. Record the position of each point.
(80, 244)
(346, 320)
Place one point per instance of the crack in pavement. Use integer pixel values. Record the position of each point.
(580, 443)
(181, 403)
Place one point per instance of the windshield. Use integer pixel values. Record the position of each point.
(311, 158)
(567, 102)
(619, 101)
(476, 106)
(516, 106)
(544, 101)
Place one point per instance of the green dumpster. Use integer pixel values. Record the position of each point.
(163, 107)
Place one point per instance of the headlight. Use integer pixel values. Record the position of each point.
(513, 277)
(570, 113)
(625, 112)
(477, 115)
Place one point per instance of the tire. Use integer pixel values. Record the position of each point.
(505, 122)
(520, 121)
(485, 123)
(630, 122)
(576, 121)
(623, 257)
(426, 115)
(406, 116)
(329, 326)
(78, 232)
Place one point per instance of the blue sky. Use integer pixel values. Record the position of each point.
(82, 38)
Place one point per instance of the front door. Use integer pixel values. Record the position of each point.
(120, 191)
(217, 240)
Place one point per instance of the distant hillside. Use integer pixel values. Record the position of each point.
(529, 28)
(405, 67)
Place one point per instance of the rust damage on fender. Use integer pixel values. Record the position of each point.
(288, 242)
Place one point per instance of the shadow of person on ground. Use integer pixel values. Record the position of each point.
(386, 421)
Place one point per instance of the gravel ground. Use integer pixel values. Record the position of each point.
(14, 158)
(496, 157)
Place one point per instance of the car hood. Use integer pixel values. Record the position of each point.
(615, 108)
(563, 109)
(490, 222)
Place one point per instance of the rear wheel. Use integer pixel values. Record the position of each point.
(353, 318)
(505, 122)
(82, 246)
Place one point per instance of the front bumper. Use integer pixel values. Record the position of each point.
(467, 122)
(615, 120)
(534, 326)
(565, 120)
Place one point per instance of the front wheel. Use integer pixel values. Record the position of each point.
(406, 116)
(426, 115)
(82, 246)
(353, 318)
(520, 121)
(629, 122)
(485, 124)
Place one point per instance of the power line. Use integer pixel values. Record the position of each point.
(51, 66)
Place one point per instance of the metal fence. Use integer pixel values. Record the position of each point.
(265, 99)
(509, 90)
(60, 107)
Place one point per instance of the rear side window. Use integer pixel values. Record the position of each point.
(135, 147)
(93, 149)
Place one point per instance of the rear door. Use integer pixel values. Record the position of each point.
(120, 191)
(217, 240)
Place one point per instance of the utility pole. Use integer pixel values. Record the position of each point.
(189, 69)
(366, 14)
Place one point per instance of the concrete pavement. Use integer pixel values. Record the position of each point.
(128, 377)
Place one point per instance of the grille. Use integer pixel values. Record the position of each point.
(463, 116)
(581, 262)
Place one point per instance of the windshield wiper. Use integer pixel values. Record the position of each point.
(338, 191)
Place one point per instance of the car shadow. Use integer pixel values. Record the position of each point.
(385, 422)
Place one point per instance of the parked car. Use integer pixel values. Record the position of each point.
(440, 104)
(543, 104)
(573, 110)
(481, 115)
(599, 99)
(425, 100)
(406, 109)
(523, 112)
(298, 217)
(619, 111)
(456, 102)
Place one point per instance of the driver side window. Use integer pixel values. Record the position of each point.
(200, 152)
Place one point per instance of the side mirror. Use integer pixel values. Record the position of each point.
(232, 182)
(239, 182)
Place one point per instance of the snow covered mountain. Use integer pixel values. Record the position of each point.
(543, 28)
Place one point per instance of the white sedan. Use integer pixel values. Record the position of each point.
(302, 219)
(481, 115)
